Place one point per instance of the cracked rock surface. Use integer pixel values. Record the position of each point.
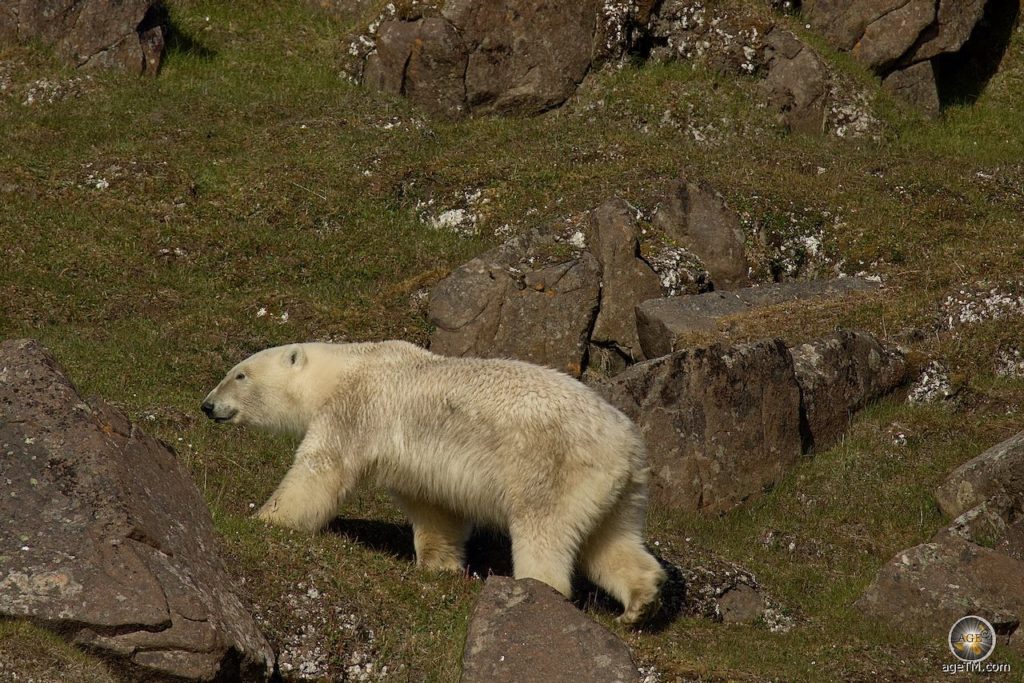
(724, 423)
(106, 539)
(525, 632)
(897, 38)
(122, 34)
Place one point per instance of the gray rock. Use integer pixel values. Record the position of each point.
(722, 424)
(626, 280)
(896, 38)
(661, 322)
(930, 586)
(696, 217)
(997, 523)
(916, 85)
(796, 84)
(425, 60)
(889, 27)
(498, 305)
(123, 34)
(997, 471)
(463, 56)
(954, 23)
(107, 541)
(526, 632)
(743, 604)
(525, 56)
(839, 375)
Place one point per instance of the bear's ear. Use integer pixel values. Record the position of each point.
(295, 356)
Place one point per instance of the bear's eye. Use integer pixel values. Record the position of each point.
(240, 375)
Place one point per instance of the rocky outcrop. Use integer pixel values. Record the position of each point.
(107, 541)
(457, 58)
(695, 216)
(998, 523)
(839, 375)
(513, 302)
(661, 323)
(526, 632)
(722, 424)
(124, 34)
(551, 298)
(893, 36)
(973, 566)
(466, 56)
(985, 496)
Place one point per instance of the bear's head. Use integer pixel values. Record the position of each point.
(265, 391)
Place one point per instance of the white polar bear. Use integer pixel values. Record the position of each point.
(457, 441)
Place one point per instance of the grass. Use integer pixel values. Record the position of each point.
(283, 187)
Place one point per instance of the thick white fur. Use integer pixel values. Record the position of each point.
(457, 441)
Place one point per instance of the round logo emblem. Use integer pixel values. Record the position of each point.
(972, 639)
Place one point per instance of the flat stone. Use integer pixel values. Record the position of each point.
(661, 322)
(526, 632)
(107, 541)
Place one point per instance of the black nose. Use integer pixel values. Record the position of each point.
(207, 408)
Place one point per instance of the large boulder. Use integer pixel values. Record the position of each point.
(526, 632)
(839, 375)
(107, 541)
(997, 471)
(560, 297)
(512, 303)
(123, 34)
(797, 83)
(722, 424)
(932, 585)
(662, 323)
(891, 36)
(696, 217)
(466, 56)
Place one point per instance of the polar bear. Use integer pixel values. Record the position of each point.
(457, 442)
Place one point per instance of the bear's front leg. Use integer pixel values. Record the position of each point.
(439, 536)
(312, 490)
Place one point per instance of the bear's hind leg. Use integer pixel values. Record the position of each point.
(615, 558)
(438, 535)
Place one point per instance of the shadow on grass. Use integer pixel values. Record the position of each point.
(961, 76)
(487, 552)
(386, 537)
(176, 40)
